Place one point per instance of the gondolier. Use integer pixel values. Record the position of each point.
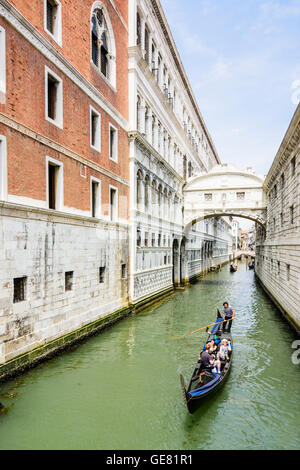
(228, 314)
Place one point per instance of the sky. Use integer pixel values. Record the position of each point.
(242, 58)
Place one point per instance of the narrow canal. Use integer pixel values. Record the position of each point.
(121, 389)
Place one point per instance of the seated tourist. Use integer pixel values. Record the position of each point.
(224, 350)
(208, 361)
(213, 347)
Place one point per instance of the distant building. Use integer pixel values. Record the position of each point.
(244, 239)
(235, 234)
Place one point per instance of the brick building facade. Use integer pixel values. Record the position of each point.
(64, 168)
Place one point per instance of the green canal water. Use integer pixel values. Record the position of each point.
(121, 389)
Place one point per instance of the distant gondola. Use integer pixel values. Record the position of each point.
(203, 383)
(251, 266)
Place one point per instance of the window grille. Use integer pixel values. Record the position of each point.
(123, 271)
(19, 289)
(102, 274)
(69, 281)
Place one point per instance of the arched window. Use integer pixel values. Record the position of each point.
(153, 130)
(160, 199)
(147, 186)
(165, 204)
(103, 44)
(153, 192)
(139, 189)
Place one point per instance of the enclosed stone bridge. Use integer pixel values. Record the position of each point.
(225, 191)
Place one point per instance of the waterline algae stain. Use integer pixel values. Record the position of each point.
(120, 389)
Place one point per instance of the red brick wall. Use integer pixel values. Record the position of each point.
(25, 103)
(27, 175)
(76, 42)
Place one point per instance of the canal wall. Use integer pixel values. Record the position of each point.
(51, 321)
(278, 245)
(51, 287)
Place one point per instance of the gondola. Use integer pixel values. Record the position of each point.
(203, 384)
(233, 269)
(251, 266)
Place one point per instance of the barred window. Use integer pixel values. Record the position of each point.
(69, 281)
(102, 275)
(124, 271)
(19, 289)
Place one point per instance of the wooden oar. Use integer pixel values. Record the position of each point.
(202, 328)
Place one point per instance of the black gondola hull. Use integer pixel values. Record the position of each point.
(193, 402)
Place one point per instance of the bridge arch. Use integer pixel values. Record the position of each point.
(225, 191)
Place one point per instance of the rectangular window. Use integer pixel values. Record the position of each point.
(52, 19)
(208, 197)
(146, 239)
(288, 272)
(292, 214)
(2, 65)
(69, 281)
(113, 143)
(153, 239)
(54, 184)
(281, 219)
(20, 289)
(95, 129)
(102, 275)
(159, 240)
(53, 98)
(95, 197)
(240, 196)
(52, 170)
(138, 237)
(278, 268)
(124, 271)
(113, 203)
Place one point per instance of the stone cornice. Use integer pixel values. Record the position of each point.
(176, 57)
(58, 147)
(288, 145)
(36, 39)
(9, 209)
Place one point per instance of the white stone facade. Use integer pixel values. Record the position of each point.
(169, 144)
(278, 249)
(41, 247)
(225, 190)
